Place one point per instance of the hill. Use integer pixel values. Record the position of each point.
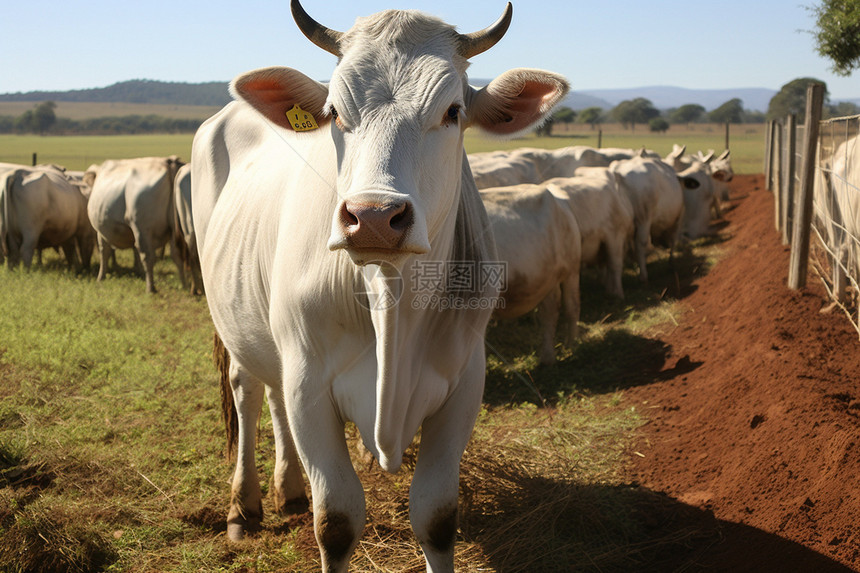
(136, 91)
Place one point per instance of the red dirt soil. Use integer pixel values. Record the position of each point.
(757, 418)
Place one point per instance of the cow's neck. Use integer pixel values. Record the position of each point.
(404, 332)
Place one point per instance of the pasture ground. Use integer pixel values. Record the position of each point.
(708, 423)
(755, 420)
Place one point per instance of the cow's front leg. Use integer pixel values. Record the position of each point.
(434, 493)
(338, 498)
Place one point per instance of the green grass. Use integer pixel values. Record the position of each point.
(79, 152)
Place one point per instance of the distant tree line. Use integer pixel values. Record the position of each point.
(791, 99)
(43, 120)
(641, 111)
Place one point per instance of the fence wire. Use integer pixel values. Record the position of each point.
(836, 213)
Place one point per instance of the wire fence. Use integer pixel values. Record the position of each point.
(830, 224)
(837, 212)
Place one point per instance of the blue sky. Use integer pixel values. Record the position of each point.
(73, 44)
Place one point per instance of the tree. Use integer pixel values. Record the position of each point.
(658, 125)
(791, 99)
(730, 112)
(591, 116)
(44, 117)
(564, 115)
(838, 34)
(843, 109)
(545, 128)
(631, 112)
(687, 113)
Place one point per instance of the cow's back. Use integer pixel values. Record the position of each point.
(536, 237)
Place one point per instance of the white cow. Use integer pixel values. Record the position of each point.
(186, 239)
(699, 188)
(604, 216)
(131, 206)
(337, 263)
(837, 208)
(538, 240)
(535, 165)
(720, 170)
(658, 203)
(40, 208)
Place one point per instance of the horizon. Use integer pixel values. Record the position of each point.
(669, 99)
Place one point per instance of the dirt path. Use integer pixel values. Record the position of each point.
(758, 421)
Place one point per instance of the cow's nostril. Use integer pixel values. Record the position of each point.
(347, 217)
(402, 219)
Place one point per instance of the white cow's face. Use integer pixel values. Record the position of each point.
(398, 128)
(396, 108)
(698, 188)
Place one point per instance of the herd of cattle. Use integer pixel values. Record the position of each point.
(552, 212)
(302, 198)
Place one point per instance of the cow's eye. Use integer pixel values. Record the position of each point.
(334, 115)
(452, 116)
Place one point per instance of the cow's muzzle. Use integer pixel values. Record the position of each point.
(383, 227)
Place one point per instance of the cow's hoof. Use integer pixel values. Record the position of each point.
(296, 506)
(237, 531)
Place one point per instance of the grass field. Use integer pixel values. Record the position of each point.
(79, 152)
(111, 447)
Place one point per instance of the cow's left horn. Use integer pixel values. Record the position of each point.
(481, 41)
(325, 38)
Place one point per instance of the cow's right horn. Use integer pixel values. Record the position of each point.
(482, 40)
(325, 38)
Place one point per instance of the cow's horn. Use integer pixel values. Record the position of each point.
(477, 42)
(325, 38)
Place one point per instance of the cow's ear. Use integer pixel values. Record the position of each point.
(516, 101)
(276, 91)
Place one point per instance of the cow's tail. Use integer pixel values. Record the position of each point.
(6, 183)
(228, 407)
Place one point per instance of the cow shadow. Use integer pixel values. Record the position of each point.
(608, 356)
(525, 523)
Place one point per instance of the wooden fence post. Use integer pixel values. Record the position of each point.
(776, 171)
(599, 138)
(727, 135)
(803, 214)
(787, 202)
(34, 159)
(768, 145)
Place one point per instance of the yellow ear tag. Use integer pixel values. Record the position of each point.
(301, 120)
